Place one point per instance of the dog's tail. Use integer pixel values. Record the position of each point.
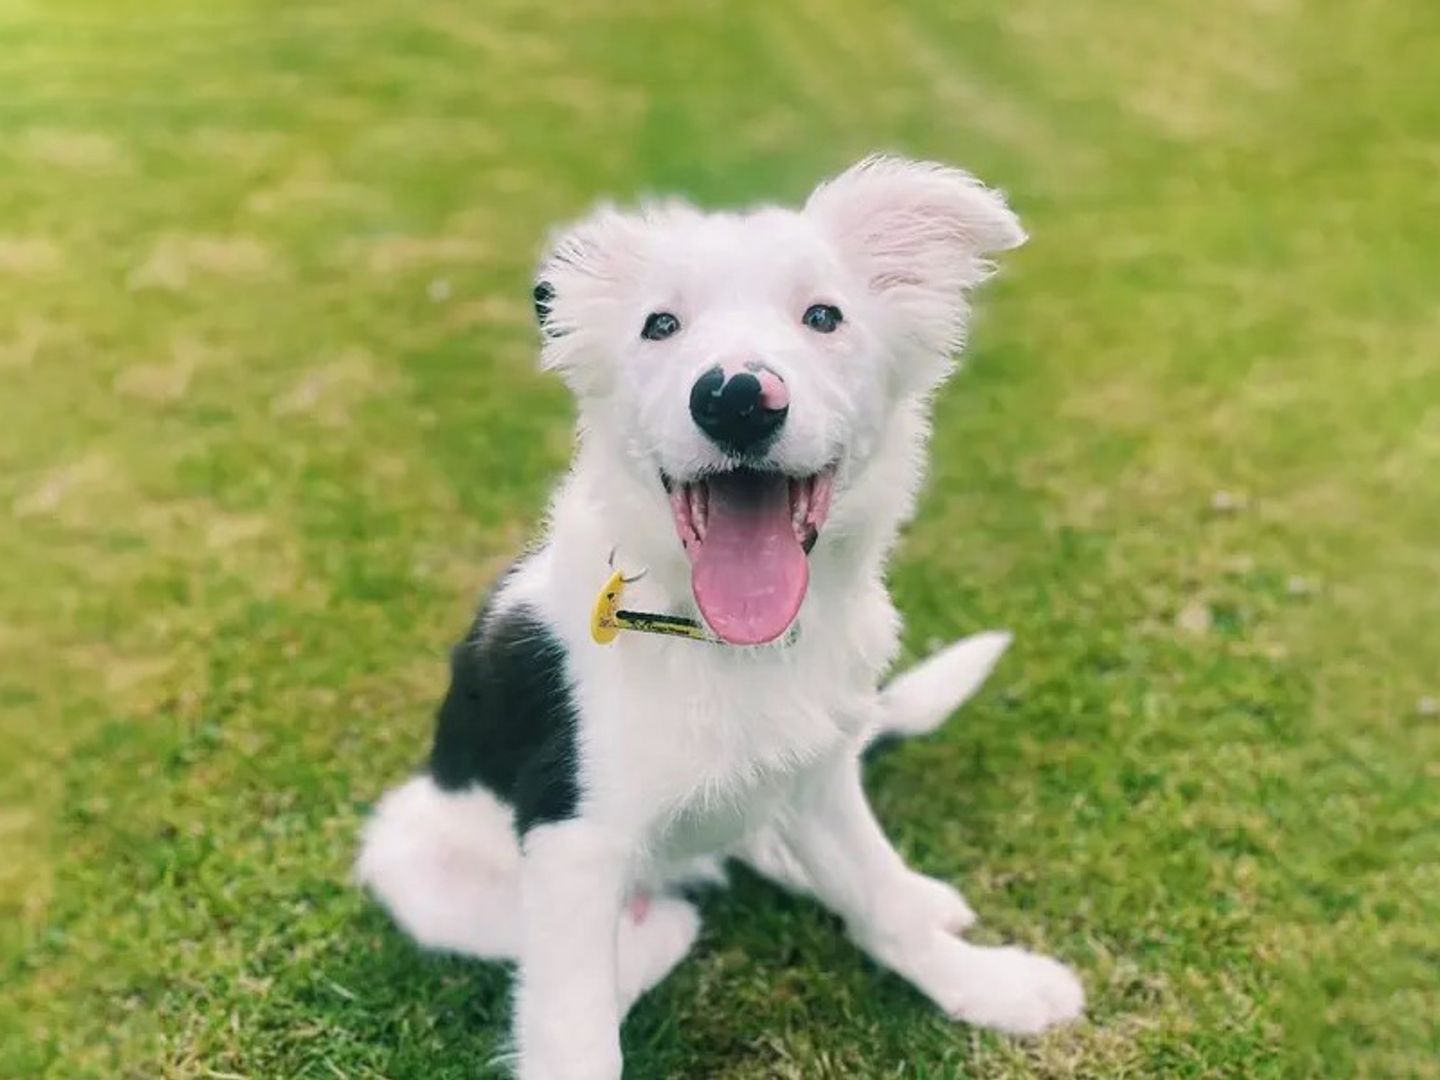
(918, 701)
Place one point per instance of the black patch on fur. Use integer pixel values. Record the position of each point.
(542, 296)
(508, 721)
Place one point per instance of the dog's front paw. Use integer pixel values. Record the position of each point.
(1010, 989)
(938, 903)
(606, 1064)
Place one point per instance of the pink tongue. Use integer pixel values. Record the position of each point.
(749, 573)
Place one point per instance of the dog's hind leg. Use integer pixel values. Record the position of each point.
(769, 854)
(447, 867)
(905, 920)
(766, 852)
(654, 935)
(915, 702)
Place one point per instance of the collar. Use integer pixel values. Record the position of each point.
(608, 618)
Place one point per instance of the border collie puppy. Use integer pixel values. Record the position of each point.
(753, 392)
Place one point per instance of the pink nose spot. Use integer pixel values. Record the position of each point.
(774, 394)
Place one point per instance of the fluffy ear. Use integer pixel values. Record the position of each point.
(918, 234)
(579, 287)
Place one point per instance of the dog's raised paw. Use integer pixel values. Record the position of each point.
(1014, 991)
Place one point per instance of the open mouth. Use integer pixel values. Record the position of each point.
(747, 533)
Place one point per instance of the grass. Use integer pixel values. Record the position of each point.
(269, 422)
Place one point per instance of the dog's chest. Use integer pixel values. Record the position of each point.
(697, 745)
(714, 820)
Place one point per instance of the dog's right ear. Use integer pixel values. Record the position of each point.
(543, 293)
(579, 291)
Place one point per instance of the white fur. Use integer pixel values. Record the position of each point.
(690, 751)
(918, 701)
(448, 867)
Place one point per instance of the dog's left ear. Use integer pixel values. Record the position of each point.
(918, 234)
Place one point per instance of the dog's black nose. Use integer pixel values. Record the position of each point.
(740, 412)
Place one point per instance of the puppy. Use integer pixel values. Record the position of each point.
(753, 392)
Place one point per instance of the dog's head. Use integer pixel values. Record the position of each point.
(749, 366)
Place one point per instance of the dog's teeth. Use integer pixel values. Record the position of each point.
(822, 490)
(799, 507)
(700, 509)
(680, 507)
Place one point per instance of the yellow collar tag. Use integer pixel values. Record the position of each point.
(607, 618)
(603, 626)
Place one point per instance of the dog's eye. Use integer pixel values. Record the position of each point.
(822, 318)
(659, 325)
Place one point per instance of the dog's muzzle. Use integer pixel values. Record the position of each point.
(741, 409)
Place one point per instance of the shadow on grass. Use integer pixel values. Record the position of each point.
(371, 1003)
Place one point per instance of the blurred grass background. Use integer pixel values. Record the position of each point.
(269, 422)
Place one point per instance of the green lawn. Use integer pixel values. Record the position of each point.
(269, 422)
